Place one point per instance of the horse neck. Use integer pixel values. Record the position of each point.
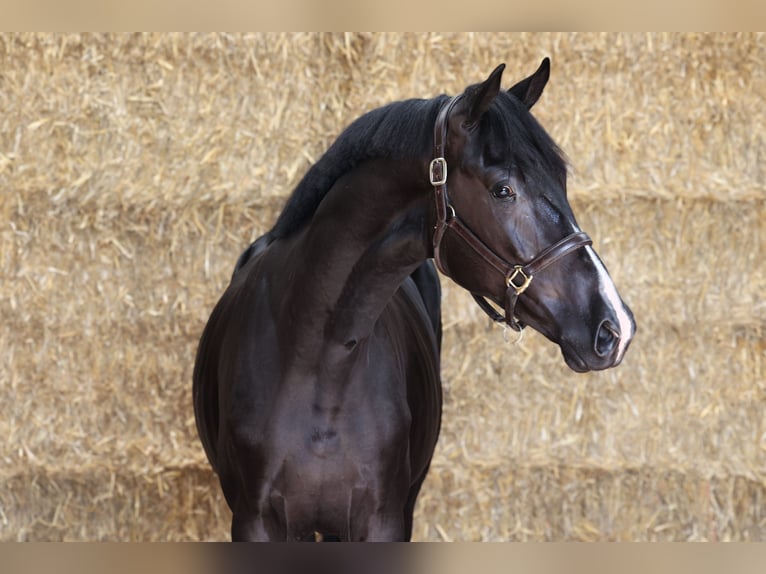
(370, 232)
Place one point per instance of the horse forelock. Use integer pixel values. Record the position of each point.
(515, 138)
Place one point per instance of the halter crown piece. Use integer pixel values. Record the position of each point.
(517, 276)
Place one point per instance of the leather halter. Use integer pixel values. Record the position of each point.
(517, 276)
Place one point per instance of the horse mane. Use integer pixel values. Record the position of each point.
(405, 129)
(398, 130)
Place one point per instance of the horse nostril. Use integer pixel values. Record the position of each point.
(607, 338)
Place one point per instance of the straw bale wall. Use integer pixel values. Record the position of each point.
(135, 168)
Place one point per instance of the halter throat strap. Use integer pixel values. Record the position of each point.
(517, 277)
(437, 172)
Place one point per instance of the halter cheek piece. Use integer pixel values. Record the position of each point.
(517, 276)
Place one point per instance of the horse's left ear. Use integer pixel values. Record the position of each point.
(529, 89)
(480, 96)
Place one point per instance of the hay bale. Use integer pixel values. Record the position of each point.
(136, 167)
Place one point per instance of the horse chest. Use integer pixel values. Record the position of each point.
(319, 457)
(319, 426)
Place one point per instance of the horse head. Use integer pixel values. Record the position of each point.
(505, 230)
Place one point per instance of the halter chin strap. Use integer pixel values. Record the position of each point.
(517, 276)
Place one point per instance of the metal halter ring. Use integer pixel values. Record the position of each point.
(526, 279)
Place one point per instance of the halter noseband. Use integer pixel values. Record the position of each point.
(517, 277)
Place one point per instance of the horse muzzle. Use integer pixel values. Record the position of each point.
(602, 348)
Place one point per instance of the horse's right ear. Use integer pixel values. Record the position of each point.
(530, 89)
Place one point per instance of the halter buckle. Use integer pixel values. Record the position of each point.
(525, 279)
(437, 171)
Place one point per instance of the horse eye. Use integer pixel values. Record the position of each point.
(503, 192)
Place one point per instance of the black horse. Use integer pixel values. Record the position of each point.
(316, 386)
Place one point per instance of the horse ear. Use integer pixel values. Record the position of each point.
(480, 96)
(529, 89)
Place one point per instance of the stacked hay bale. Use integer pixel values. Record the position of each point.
(135, 168)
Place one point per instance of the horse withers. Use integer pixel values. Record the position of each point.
(317, 392)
